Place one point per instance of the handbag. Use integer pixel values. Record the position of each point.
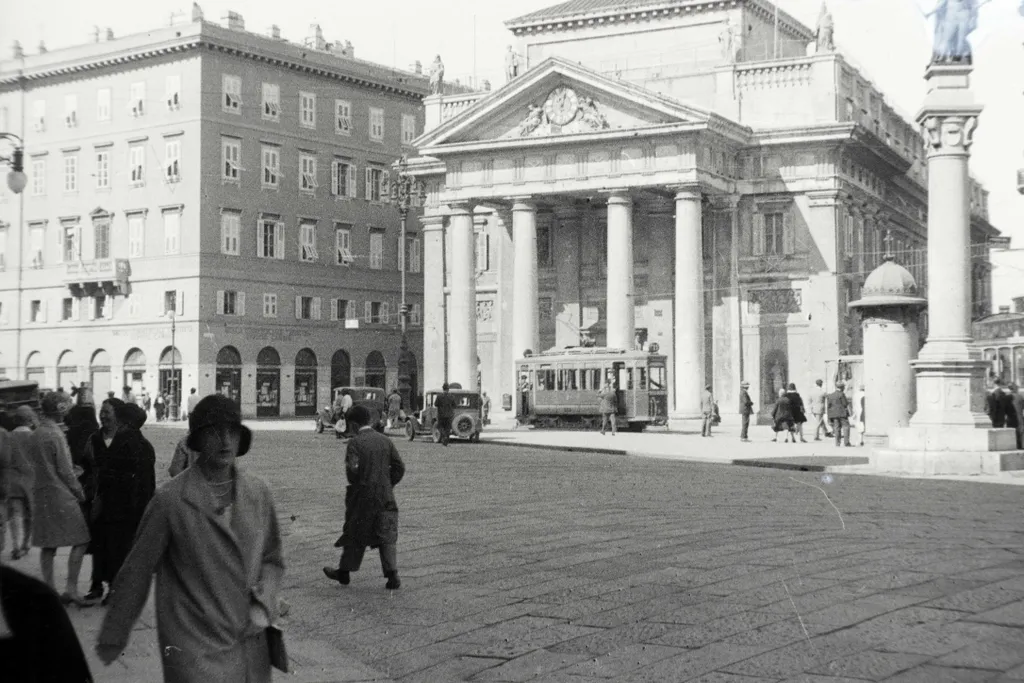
(276, 647)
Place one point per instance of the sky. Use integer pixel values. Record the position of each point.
(888, 40)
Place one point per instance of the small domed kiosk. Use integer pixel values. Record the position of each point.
(890, 306)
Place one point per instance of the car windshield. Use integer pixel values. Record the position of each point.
(467, 400)
(369, 396)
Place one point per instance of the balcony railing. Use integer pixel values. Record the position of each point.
(88, 277)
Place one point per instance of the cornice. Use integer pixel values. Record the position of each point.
(205, 40)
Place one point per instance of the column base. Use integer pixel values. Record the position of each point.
(685, 423)
(946, 462)
(950, 392)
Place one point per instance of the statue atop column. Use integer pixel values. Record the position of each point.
(511, 64)
(826, 31)
(955, 21)
(437, 76)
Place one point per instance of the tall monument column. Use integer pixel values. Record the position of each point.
(621, 323)
(462, 351)
(434, 341)
(949, 433)
(688, 351)
(525, 311)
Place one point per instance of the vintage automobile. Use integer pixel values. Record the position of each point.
(371, 397)
(466, 424)
(14, 393)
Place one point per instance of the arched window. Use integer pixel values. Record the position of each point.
(305, 359)
(135, 359)
(229, 356)
(268, 382)
(305, 382)
(268, 356)
(341, 369)
(229, 373)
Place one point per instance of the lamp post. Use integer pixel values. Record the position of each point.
(16, 178)
(16, 181)
(406, 192)
(172, 401)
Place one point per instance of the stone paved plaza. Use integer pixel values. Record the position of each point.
(521, 564)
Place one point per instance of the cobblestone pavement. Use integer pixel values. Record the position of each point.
(529, 565)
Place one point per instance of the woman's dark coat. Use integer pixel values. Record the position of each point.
(782, 414)
(125, 482)
(796, 405)
(373, 467)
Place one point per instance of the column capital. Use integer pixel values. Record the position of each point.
(621, 197)
(690, 192)
(432, 222)
(460, 208)
(724, 202)
(523, 203)
(946, 133)
(824, 197)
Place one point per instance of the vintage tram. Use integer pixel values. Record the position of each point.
(559, 389)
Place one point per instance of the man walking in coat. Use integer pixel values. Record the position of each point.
(817, 402)
(746, 410)
(838, 408)
(707, 409)
(211, 536)
(609, 406)
(445, 404)
(373, 468)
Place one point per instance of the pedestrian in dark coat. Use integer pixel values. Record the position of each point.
(16, 490)
(125, 482)
(838, 409)
(373, 467)
(211, 537)
(995, 406)
(1018, 409)
(746, 410)
(797, 406)
(445, 404)
(782, 417)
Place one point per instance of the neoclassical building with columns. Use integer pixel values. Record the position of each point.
(668, 173)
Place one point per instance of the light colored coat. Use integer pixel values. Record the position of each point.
(211, 576)
(57, 515)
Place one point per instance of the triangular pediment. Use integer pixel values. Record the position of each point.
(559, 97)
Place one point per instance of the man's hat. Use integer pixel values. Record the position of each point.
(214, 410)
(445, 386)
(840, 384)
(744, 385)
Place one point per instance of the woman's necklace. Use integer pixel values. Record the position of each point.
(223, 492)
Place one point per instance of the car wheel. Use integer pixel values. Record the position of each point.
(410, 430)
(435, 433)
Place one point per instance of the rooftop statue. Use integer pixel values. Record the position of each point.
(511, 64)
(826, 31)
(437, 76)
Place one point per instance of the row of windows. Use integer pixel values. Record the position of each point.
(93, 241)
(232, 302)
(231, 102)
(270, 110)
(343, 170)
(102, 170)
(270, 239)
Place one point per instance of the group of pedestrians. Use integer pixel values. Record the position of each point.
(1005, 407)
(830, 413)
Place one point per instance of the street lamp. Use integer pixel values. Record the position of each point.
(172, 401)
(405, 191)
(16, 178)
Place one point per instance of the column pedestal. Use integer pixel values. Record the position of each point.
(949, 433)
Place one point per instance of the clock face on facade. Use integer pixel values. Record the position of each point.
(561, 106)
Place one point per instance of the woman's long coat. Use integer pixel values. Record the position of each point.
(796, 405)
(782, 414)
(57, 518)
(211, 573)
(373, 467)
(20, 474)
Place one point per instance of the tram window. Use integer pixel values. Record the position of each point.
(593, 379)
(545, 380)
(641, 379)
(569, 380)
(657, 378)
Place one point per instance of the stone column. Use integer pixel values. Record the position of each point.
(525, 312)
(462, 352)
(566, 251)
(620, 313)
(689, 309)
(434, 333)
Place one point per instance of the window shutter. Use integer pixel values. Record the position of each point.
(316, 307)
(108, 308)
(76, 309)
(334, 178)
(384, 315)
(298, 307)
(368, 176)
(179, 302)
(279, 240)
(788, 234)
(240, 303)
(350, 182)
(87, 233)
(334, 309)
(368, 311)
(385, 186)
(43, 305)
(92, 308)
(259, 239)
(758, 241)
(350, 310)
(60, 245)
(220, 302)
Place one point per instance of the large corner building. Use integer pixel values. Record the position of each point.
(228, 184)
(710, 177)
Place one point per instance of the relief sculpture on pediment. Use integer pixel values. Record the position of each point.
(563, 111)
